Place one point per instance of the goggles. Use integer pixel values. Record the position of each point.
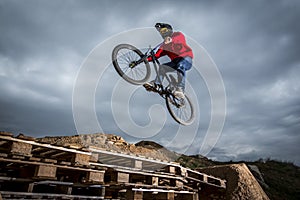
(163, 30)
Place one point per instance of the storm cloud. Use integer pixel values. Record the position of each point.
(255, 45)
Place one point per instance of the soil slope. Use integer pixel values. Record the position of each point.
(241, 184)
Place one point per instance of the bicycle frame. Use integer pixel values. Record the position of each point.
(165, 90)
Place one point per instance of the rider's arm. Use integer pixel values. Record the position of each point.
(160, 52)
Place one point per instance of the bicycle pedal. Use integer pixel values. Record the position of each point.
(149, 88)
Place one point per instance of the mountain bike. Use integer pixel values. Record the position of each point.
(132, 65)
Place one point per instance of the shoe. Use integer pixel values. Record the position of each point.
(179, 93)
(151, 86)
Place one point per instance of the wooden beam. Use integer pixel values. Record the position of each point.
(43, 145)
(137, 164)
(81, 159)
(45, 171)
(21, 148)
(40, 163)
(95, 177)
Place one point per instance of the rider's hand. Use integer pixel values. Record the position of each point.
(167, 40)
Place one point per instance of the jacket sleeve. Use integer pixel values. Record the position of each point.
(160, 52)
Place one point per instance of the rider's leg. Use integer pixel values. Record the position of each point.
(163, 69)
(183, 65)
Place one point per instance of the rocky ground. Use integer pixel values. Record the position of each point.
(114, 143)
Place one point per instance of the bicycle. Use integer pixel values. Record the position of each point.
(132, 65)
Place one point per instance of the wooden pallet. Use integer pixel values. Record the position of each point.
(38, 168)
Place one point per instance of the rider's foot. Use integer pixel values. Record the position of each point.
(179, 93)
(151, 86)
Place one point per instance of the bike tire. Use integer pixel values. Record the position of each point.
(122, 56)
(183, 115)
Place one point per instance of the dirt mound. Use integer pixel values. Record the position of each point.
(241, 184)
(113, 143)
(149, 144)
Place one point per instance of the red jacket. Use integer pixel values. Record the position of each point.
(176, 48)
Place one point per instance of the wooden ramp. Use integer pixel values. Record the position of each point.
(31, 169)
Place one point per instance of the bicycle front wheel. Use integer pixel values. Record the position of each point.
(123, 57)
(181, 110)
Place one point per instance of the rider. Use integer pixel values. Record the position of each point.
(174, 46)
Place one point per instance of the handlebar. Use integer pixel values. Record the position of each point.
(147, 54)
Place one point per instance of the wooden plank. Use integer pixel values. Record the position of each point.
(134, 195)
(204, 178)
(213, 181)
(137, 157)
(163, 190)
(165, 196)
(65, 189)
(21, 148)
(50, 151)
(47, 195)
(94, 157)
(34, 159)
(80, 159)
(53, 183)
(47, 160)
(40, 163)
(169, 176)
(44, 145)
(179, 184)
(138, 164)
(183, 172)
(152, 180)
(45, 171)
(3, 155)
(6, 178)
(58, 154)
(65, 163)
(118, 177)
(122, 177)
(18, 157)
(37, 149)
(221, 185)
(95, 177)
(171, 169)
(30, 187)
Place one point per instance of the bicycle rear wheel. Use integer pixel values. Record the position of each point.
(123, 57)
(181, 110)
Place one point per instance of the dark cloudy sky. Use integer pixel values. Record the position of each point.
(255, 45)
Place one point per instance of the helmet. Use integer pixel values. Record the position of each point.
(165, 30)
